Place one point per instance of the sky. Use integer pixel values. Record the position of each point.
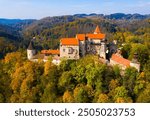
(37, 9)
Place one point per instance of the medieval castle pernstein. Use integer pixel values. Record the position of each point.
(83, 44)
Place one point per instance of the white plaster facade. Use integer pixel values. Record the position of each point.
(69, 51)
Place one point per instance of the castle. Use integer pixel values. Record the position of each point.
(83, 44)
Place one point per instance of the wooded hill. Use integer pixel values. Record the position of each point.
(84, 80)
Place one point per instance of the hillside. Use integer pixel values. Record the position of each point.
(85, 80)
(49, 30)
(117, 16)
(16, 23)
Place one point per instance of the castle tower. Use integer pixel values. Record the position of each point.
(134, 63)
(97, 30)
(103, 50)
(31, 51)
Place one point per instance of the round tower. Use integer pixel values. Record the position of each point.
(103, 50)
(31, 51)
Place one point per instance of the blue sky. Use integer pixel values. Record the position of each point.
(42, 8)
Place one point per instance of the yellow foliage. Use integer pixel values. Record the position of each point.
(113, 84)
(142, 75)
(12, 57)
(123, 100)
(67, 97)
(103, 98)
(120, 100)
(18, 77)
(14, 98)
(47, 67)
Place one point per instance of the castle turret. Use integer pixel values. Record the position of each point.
(97, 30)
(134, 63)
(103, 50)
(31, 51)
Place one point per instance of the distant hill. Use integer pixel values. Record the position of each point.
(16, 24)
(9, 33)
(11, 37)
(118, 16)
(48, 31)
(48, 22)
(15, 21)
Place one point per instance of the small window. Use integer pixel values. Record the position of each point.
(92, 42)
(70, 50)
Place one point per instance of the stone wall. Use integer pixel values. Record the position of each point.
(82, 48)
(30, 54)
(135, 65)
(69, 52)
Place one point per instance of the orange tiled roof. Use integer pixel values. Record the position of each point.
(96, 36)
(120, 60)
(97, 30)
(80, 37)
(52, 52)
(69, 41)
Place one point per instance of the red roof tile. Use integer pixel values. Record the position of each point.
(120, 60)
(80, 37)
(96, 36)
(52, 52)
(69, 41)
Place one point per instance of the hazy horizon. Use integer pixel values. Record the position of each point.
(37, 9)
(64, 15)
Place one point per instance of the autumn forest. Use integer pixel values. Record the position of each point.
(86, 80)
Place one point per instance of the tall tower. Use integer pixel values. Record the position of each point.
(31, 51)
(103, 50)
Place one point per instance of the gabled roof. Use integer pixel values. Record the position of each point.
(81, 37)
(69, 41)
(31, 46)
(51, 52)
(97, 30)
(120, 60)
(96, 36)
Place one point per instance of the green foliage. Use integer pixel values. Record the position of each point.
(126, 49)
(83, 80)
(82, 94)
(120, 92)
(130, 78)
(1, 98)
(142, 51)
(147, 71)
(49, 95)
(144, 96)
(66, 81)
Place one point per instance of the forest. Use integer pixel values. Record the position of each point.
(86, 80)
